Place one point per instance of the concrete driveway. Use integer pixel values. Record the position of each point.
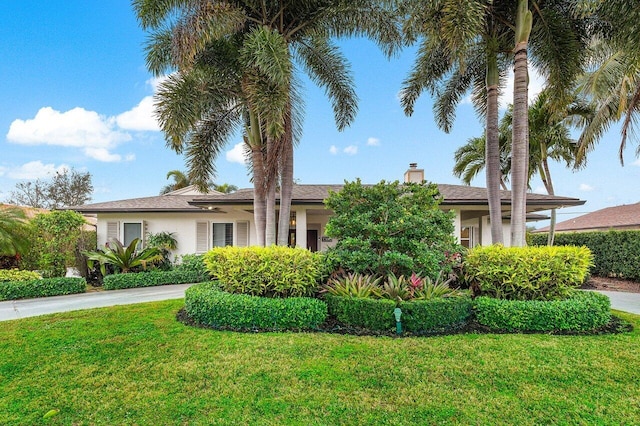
(623, 301)
(16, 309)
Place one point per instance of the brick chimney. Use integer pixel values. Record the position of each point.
(414, 174)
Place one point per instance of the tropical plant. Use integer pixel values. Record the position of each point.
(470, 159)
(13, 231)
(435, 288)
(396, 288)
(123, 258)
(180, 179)
(258, 43)
(165, 242)
(354, 286)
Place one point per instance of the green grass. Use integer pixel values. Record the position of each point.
(137, 365)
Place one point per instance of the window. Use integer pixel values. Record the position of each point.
(131, 231)
(222, 234)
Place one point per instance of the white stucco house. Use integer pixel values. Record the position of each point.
(202, 221)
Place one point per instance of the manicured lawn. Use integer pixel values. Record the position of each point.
(137, 365)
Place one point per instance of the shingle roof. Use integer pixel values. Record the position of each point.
(618, 217)
(308, 194)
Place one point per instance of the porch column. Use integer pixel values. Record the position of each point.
(301, 227)
(457, 225)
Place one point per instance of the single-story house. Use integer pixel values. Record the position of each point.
(202, 221)
(619, 218)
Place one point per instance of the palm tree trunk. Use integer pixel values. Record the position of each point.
(259, 196)
(492, 150)
(520, 147)
(271, 181)
(545, 174)
(286, 180)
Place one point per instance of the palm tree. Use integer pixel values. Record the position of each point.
(270, 37)
(463, 48)
(225, 188)
(13, 231)
(180, 181)
(470, 159)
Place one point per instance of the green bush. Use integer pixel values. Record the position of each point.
(372, 314)
(439, 314)
(615, 253)
(390, 228)
(11, 290)
(148, 279)
(193, 263)
(527, 273)
(18, 275)
(208, 305)
(583, 311)
(274, 271)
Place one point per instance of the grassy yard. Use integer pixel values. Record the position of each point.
(137, 365)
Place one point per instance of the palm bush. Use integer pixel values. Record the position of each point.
(354, 286)
(124, 258)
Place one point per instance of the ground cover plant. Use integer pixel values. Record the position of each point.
(137, 365)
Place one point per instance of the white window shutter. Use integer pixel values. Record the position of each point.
(242, 234)
(113, 231)
(202, 237)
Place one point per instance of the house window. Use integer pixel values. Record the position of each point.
(131, 231)
(222, 234)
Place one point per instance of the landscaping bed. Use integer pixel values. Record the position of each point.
(611, 284)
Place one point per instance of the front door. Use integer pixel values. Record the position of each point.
(312, 239)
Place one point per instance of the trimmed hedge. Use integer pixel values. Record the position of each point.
(274, 271)
(439, 314)
(12, 290)
(372, 314)
(18, 275)
(151, 278)
(527, 273)
(193, 263)
(615, 253)
(208, 305)
(418, 316)
(583, 311)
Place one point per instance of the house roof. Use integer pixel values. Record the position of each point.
(453, 195)
(618, 217)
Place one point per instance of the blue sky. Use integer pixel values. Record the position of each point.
(76, 93)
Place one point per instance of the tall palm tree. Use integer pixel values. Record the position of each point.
(272, 36)
(470, 159)
(462, 48)
(13, 231)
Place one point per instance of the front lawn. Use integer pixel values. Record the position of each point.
(137, 365)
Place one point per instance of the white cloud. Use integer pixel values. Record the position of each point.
(373, 142)
(636, 163)
(536, 84)
(139, 118)
(102, 154)
(586, 188)
(34, 170)
(236, 154)
(130, 157)
(77, 128)
(540, 190)
(351, 150)
(333, 149)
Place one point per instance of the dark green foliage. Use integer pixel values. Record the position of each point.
(208, 305)
(527, 273)
(583, 311)
(439, 314)
(389, 228)
(274, 271)
(373, 314)
(11, 290)
(193, 263)
(615, 253)
(148, 279)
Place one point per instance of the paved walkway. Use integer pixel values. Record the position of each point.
(15, 309)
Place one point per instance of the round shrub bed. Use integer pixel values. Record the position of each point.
(418, 316)
(583, 311)
(206, 304)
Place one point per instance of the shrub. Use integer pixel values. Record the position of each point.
(583, 311)
(527, 273)
(353, 285)
(208, 305)
(148, 279)
(11, 290)
(18, 275)
(389, 228)
(274, 271)
(434, 315)
(193, 263)
(372, 314)
(615, 253)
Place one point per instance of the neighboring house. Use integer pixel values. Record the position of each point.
(619, 218)
(201, 221)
